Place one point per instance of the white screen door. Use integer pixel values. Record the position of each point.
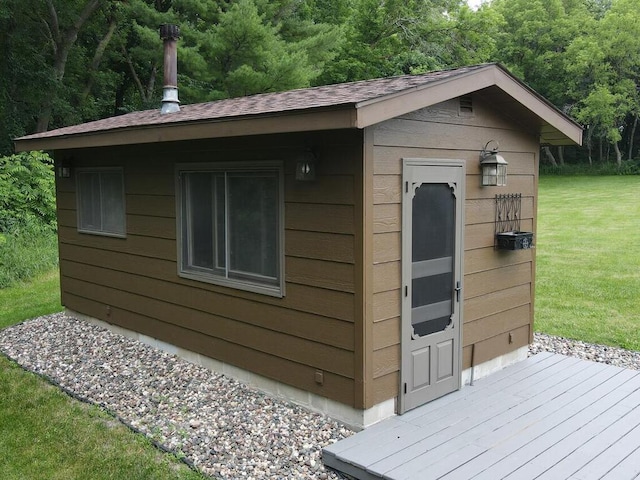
(432, 226)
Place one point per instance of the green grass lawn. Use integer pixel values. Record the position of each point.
(588, 259)
(30, 299)
(44, 434)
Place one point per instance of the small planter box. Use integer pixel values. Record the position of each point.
(514, 240)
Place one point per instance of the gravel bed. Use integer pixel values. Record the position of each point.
(587, 351)
(218, 425)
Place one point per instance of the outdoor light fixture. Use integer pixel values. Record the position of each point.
(64, 169)
(494, 167)
(306, 166)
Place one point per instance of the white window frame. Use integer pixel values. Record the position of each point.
(206, 275)
(79, 200)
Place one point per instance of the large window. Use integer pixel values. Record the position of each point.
(230, 225)
(100, 196)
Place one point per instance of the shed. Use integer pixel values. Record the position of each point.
(333, 245)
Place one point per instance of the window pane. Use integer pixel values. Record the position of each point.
(253, 227)
(199, 221)
(112, 213)
(89, 201)
(101, 201)
(231, 228)
(220, 214)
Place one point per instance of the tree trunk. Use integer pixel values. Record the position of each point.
(61, 44)
(590, 145)
(616, 147)
(561, 154)
(550, 156)
(145, 92)
(97, 58)
(632, 136)
(601, 153)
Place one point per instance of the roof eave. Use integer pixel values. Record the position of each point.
(343, 117)
(400, 103)
(556, 124)
(558, 128)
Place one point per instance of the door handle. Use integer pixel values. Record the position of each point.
(458, 289)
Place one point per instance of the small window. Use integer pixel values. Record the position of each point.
(230, 225)
(100, 196)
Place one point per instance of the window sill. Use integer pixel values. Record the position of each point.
(102, 234)
(275, 291)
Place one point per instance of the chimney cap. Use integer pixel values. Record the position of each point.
(169, 31)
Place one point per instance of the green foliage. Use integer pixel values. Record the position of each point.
(534, 41)
(248, 55)
(27, 217)
(27, 191)
(604, 110)
(71, 61)
(27, 249)
(25, 71)
(628, 167)
(402, 37)
(608, 75)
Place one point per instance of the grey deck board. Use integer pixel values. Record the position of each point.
(628, 468)
(531, 436)
(526, 369)
(591, 451)
(548, 417)
(605, 463)
(496, 434)
(482, 424)
(516, 464)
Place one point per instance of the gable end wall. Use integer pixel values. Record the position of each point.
(498, 286)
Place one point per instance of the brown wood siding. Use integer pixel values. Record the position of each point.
(497, 285)
(288, 339)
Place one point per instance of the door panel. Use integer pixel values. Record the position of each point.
(432, 278)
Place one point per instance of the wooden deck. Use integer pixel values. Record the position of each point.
(548, 417)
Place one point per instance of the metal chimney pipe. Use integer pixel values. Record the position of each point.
(170, 103)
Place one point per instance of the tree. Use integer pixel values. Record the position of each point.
(604, 112)
(609, 75)
(62, 29)
(246, 54)
(534, 40)
(393, 37)
(25, 74)
(49, 47)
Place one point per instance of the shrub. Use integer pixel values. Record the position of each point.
(27, 191)
(628, 167)
(27, 217)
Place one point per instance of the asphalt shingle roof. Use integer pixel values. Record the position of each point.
(345, 94)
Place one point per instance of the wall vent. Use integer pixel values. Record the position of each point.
(466, 105)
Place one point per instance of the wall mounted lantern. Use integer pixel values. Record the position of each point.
(306, 166)
(63, 169)
(493, 166)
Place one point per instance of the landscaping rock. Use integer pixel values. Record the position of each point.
(221, 426)
(586, 351)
